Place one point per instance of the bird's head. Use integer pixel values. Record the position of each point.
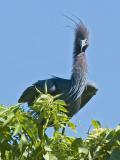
(81, 38)
(81, 35)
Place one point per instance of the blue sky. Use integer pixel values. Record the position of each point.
(34, 43)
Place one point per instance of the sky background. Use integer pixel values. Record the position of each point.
(34, 43)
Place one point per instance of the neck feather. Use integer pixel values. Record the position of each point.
(79, 75)
(79, 66)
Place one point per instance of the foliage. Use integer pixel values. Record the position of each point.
(23, 134)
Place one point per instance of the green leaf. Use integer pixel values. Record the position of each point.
(23, 142)
(110, 135)
(1, 136)
(49, 156)
(37, 90)
(9, 118)
(77, 143)
(83, 150)
(18, 127)
(72, 126)
(96, 124)
(47, 148)
(63, 109)
(57, 96)
(118, 128)
(46, 90)
(60, 102)
(23, 139)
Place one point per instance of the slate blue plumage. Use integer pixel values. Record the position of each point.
(76, 91)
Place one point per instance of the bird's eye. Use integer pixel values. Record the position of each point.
(83, 42)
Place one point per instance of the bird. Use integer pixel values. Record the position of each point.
(75, 91)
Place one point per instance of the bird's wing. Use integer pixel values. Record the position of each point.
(43, 84)
(31, 92)
(89, 91)
(54, 86)
(62, 85)
(28, 96)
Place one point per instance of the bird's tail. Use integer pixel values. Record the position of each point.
(28, 95)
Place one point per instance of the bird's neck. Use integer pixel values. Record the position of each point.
(78, 77)
(79, 67)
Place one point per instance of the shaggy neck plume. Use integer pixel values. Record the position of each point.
(79, 76)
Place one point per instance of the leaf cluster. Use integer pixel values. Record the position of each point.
(23, 134)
